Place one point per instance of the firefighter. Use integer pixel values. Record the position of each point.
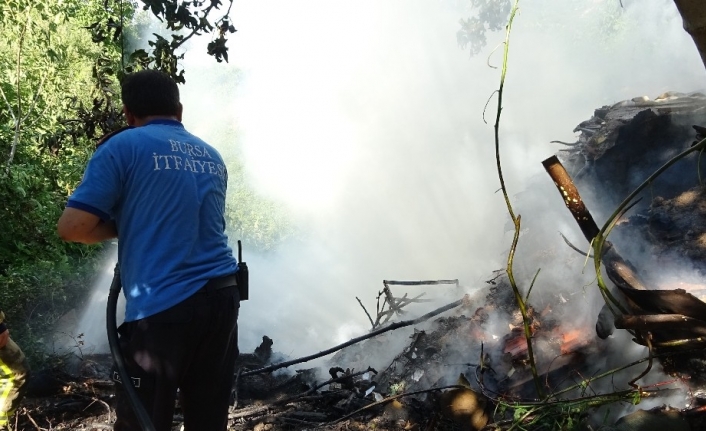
(13, 374)
(161, 190)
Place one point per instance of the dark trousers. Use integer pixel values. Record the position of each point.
(191, 347)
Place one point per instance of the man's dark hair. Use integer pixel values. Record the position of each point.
(150, 92)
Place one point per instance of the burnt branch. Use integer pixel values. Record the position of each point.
(399, 304)
(395, 305)
(661, 321)
(391, 301)
(391, 327)
(573, 247)
(366, 312)
(572, 198)
(395, 397)
(418, 283)
(256, 410)
(619, 271)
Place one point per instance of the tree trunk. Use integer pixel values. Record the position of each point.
(693, 12)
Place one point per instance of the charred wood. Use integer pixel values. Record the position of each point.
(620, 272)
(662, 322)
(572, 198)
(418, 283)
(391, 327)
(679, 309)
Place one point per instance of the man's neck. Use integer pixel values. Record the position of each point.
(142, 121)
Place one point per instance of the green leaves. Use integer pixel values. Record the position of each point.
(106, 31)
(156, 6)
(218, 49)
(184, 19)
(491, 15)
(57, 92)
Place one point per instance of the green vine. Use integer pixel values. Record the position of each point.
(516, 219)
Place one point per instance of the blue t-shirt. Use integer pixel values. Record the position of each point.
(166, 190)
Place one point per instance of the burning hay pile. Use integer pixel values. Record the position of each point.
(471, 368)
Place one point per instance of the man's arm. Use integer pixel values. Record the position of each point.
(76, 225)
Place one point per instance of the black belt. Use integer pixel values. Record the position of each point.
(219, 283)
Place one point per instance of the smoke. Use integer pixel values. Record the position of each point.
(367, 121)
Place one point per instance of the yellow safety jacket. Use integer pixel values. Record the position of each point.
(13, 373)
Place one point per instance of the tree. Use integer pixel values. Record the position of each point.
(52, 87)
(693, 13)
(491, 15)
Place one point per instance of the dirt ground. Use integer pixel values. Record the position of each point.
(84, 401)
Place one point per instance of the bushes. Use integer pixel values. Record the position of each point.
(35, 294)
(49, 74)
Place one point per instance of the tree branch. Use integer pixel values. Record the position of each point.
(17, 117)
(694, 17)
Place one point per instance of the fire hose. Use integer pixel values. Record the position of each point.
(117, 353)
(114, 342)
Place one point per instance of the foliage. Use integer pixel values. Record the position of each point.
(260, 223)
(53, 105)
(36, 294)
(43, 63)
(491, 15)
(554, 414)
(602, 23)
(182, 20)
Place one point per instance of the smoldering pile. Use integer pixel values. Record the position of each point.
(617, 149)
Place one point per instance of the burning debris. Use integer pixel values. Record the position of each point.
(470, 368)
(675, 230)
(649, 135)
(622, 144)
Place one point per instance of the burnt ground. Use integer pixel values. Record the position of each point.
(270, 401)
(401, 396)
(469, 369)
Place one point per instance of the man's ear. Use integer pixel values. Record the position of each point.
(179, 112)
(129, 116)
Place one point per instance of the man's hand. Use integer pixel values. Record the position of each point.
(76, 225)
(4, 337)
